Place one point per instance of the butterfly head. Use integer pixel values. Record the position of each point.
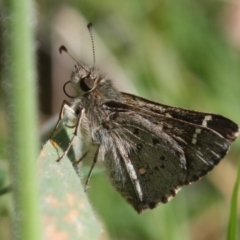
(83, 79)
(86, 80)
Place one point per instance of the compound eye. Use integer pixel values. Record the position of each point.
(86, 84)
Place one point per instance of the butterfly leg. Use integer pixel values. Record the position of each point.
(82, 157)
(65, 107)
(74, 134)
(91, 169)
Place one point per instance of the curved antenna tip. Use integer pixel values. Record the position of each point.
(90, 25)
(62, 48)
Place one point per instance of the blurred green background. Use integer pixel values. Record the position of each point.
(181, 53)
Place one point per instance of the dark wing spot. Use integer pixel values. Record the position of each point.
(195, 178)
(135, 131)
(164, 199)
(105, 125)
(152, 205)
(156, 168)
(162, 158)
(155, 141)
(186, 182)
(173, 192)
(139, 146)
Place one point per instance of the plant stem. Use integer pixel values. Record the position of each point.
(22, 117)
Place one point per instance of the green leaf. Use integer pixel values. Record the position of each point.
(65, 208)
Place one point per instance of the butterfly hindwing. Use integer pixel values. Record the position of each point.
(159, 167)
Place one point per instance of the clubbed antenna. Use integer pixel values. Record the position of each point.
(63, 48)
(90, 26)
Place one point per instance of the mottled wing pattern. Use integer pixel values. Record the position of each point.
(166, 154)
(159, 169)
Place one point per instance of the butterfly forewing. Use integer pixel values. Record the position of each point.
(224, 126)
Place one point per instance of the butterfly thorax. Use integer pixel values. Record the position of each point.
(93, 90)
